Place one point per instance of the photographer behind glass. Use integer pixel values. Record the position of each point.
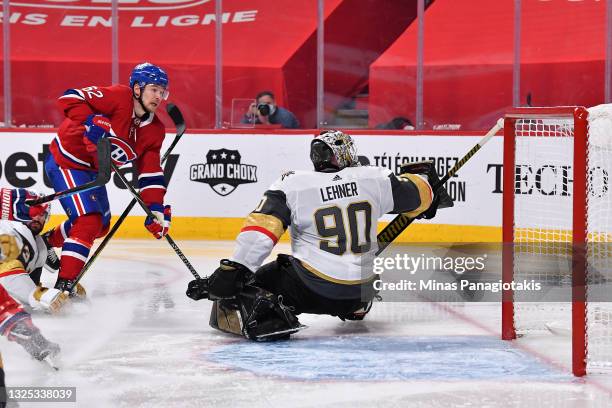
(265, 112)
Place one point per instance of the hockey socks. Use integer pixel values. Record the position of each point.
(76, 247)
(56, 237)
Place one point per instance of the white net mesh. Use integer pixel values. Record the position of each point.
(543, 227)
(599, 222)
(542, 217)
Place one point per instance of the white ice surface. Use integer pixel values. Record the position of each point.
(141, 343)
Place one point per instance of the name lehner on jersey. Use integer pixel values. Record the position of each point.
(335, 192)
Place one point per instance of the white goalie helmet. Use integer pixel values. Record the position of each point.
(333, 150)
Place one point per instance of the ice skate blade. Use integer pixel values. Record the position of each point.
(52, 362)
(265, 337)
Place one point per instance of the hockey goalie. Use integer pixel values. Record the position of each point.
(332, 213)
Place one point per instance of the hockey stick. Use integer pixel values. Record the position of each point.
(150, 214)
(179, 123)
(104, 175)
(401, 222)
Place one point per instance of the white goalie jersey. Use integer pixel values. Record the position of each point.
(32, 253)
(332, 218)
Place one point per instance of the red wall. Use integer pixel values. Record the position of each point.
(469, 55)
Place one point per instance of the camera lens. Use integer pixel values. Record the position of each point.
(264, 109)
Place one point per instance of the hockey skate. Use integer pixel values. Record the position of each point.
(29, 337)
(360, 313)
(265, 317)
(274, 328)
(52, 263)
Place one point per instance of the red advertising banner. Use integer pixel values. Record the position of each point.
(59, 44)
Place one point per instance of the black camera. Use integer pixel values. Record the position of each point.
(264, 109)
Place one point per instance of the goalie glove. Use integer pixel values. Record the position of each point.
(50, 300)
(228, 280)
(159, 225)
(9, 249)
(441, 198)
(75, 292)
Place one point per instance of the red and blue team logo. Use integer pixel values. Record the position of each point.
(121, 153)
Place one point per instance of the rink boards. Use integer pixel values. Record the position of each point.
(218, 178)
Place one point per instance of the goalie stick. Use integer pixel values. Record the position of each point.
(104, 175)
(179, 122)
(401, 222)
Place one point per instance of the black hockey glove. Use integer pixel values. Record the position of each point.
(227, 281)
(197, 289)
(441, 198)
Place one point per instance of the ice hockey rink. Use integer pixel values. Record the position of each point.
(140, 342)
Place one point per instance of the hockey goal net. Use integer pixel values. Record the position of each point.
(557, 228)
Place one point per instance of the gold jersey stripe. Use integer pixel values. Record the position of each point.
(11, 266)
(424, 193)
(269, 222)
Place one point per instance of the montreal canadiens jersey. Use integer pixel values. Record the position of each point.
(136, 139)
(332, 219)
(33, 252)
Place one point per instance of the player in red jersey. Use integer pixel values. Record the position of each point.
(16, 325)
(125, 115)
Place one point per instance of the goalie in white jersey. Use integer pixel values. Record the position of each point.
(332, 213)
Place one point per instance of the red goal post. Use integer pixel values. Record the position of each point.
(553, 138)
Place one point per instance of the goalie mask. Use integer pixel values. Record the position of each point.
(332, 151)
(14, 208)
